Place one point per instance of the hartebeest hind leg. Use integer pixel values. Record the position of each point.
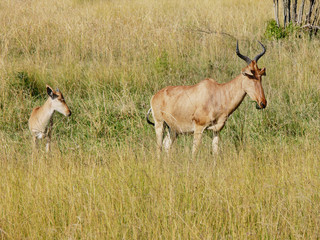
(169, 139)
(216, 129)
(159, 134)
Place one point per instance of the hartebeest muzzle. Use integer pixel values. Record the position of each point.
(261, 105)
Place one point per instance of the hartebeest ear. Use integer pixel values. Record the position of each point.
(262, 72)
(51, 93)
(247, 72)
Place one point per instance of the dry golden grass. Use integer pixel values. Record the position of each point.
(102, 179)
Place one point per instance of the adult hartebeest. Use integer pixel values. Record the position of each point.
(206, 105)
(41, 119)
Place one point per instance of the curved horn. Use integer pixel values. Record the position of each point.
(256, 58)
(248, 60)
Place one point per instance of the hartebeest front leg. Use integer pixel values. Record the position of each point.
(196, 139)
(215, 142)
(48, 148)
(48, 137)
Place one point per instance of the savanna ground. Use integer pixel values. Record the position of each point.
(102, 179)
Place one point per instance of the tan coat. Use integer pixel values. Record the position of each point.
(206, 105)
(41, 119)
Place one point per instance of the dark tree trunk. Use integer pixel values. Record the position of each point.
(288, 10)
(294, 11)
(285, 13)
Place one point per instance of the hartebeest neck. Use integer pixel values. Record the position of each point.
(234, 94)
(45, 114)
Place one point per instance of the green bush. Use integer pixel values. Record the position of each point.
(273, 31)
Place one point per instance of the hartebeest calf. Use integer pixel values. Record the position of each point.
(206, 105)
(41, 119)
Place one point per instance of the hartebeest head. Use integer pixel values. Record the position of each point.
(58, 102)
(252, 83)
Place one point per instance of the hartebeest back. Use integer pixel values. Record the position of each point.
(41, 119)
(206, 105)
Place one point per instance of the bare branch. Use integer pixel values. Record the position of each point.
(213, 32)
(311, 27)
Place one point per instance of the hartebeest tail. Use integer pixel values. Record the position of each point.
(206, 105)
(41, 119)
(148, 120)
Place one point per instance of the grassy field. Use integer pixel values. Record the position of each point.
(102, 179)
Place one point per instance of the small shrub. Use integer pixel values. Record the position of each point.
(273, 31)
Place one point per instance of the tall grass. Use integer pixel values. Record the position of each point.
(102, 178)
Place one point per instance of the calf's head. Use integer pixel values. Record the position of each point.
(252, 84)
(57, 101)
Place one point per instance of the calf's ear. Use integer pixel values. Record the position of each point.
(51, 93)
